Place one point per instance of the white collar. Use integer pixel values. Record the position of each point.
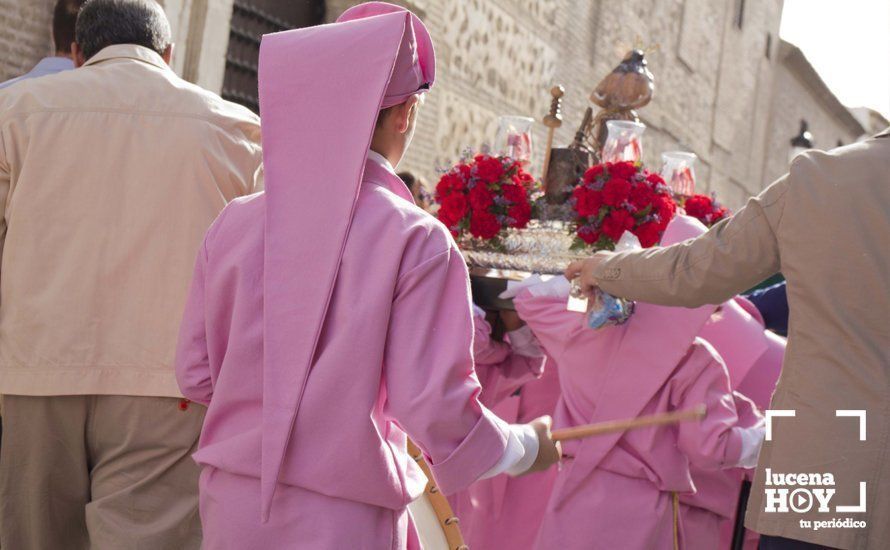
(381, 160)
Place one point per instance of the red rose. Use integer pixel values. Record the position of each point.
(514, 193)
(698, 206)
(617, 222)
(489, 169)
(526, 178)
(521, 214)
(592, 173)
(654, 179)
(664, 206)
(450, 182)
(587, 201)
(616, 191)
(623, 170)
(484, 225)
(641, 195)
(588, 235)
(465, 170)
(453, 209)
(481, 198)
(720, 214)
(649, 234)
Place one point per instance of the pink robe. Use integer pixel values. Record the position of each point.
(753, 357)
(395, 356)
(615, 490)
(504, 511)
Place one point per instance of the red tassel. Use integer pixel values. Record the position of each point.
(183, 404)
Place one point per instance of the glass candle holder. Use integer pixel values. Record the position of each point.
(678, 171)
(514, 138)
(623, 141)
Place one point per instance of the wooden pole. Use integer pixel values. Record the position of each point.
(612, 426)
(552, 121)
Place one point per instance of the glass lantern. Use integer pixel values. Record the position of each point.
(623, 141)
(514, 138)
(678, 171)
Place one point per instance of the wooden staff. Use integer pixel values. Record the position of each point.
(612, 426)
(447, 519)
(552, 121)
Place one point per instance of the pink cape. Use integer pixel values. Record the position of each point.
(318, 118)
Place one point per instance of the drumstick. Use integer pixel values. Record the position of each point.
(612, 426)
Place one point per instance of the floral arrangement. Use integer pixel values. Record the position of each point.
(612, 198)
(705, 208)
(484, 195)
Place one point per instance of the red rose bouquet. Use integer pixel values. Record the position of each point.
(612, 198)
(705, 208)
(484, 196)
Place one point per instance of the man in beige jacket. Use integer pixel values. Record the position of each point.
(826, 227)
(109, 176)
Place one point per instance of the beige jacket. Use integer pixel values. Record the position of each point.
(109, 176)
(826, 227)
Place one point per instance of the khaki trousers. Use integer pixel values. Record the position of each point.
(99, 472)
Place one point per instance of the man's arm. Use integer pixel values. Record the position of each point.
(731, 257)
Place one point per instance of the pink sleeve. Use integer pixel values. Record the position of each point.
(715, 442)
(431, 387)
(192, 361)
(548, 318)
(501, 372)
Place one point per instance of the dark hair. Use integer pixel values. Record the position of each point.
(64, 18)
(103, 23)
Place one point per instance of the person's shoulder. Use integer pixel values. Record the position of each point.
(238, 219)
(417, 226)
(208, 105)
(23, 95)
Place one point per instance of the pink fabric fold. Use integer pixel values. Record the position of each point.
(320, 89)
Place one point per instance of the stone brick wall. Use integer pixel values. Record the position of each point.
(718, 93)
(713, 80)
(25, 35)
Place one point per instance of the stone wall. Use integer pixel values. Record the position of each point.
(799, 93)
(713, 79)
(721, 92)
(25, 35)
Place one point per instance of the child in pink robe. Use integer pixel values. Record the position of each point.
(329, 316)
(504, 511)
(753, 357)
(621, 490)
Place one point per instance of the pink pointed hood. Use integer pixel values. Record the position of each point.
(638, 357)
(321, 89)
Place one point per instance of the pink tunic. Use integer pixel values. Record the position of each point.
(615, 491)
(753, 357)
(504, 511)
(395, 356)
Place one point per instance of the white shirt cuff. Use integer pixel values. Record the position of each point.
(520, 454)
(523, 342)
(752, 441)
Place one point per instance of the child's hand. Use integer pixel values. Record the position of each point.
(549, 451)
(511, 320)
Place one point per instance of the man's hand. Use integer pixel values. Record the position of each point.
(583, 271)
(549, 451)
